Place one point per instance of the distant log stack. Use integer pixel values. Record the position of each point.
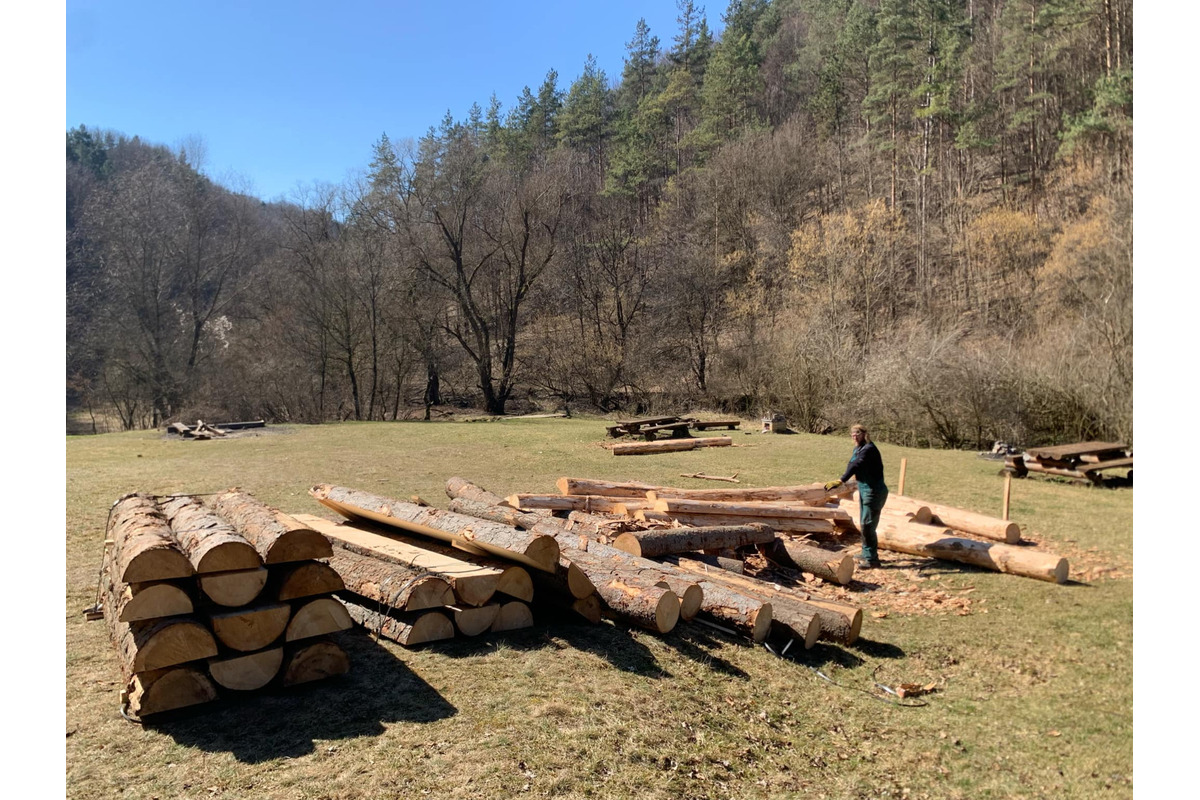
(193, 612)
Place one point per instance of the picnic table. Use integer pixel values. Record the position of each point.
(1081, 460)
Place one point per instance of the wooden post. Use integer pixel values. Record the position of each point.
(903, 467)
(1007, 494)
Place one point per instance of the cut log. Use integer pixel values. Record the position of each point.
(249, 629)
(143, 601)
(409, 629)
(143, 548)
(585, 486)
(393, 585)
(277, 537)
(707, 520)
(897, 513)
(814, 494)
(464, 489)
(559, 502)
(826, 565)
(653, 543)
(512, 616)
(246, 673)
(938, 542)
(473, 584)
(839, 622)
(470, 534)
(162, 643)
(673, 505)
(474, 621)
(599, 526)
(313, 661)
(233, 589)
(317, 618)
(590, 608)
(654, 608)
(748, 615)
(209, 542)
(156, 691)
(668, 446)
(969, 522)
(291, 581)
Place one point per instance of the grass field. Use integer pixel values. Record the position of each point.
(1035, 680)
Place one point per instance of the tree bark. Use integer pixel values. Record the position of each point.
(313, 661)
(246, 673)
(209, 542)
(277, 537)
(654, 543)
(408, 629)
(317, 618)
(393, 585)
(467, 533)
(826, 565)
(143, 548)
(249, 629)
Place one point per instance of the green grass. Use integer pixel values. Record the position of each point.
(1036, 682)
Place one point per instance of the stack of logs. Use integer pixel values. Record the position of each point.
(907, 525)
(677, 429)
(220, 596)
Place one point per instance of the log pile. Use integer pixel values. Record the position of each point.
(216, 598)
(1083, 461)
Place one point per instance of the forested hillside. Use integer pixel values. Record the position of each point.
(911, 213)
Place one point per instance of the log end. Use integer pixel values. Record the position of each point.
(174, 643)
(157, 601)
(813, 633)
(543, 553)
(173, 689)
(922, 514)
(249, 672)
(563, 485)
(845, 570)
(229, 556)
(431, 626)
(513, 616)
(690, 602)
(315, 661)
(158, 564)
(516, 583)
(588, 607)
(300, 544)
(761, 625)
(666, 613)
(430, 592)
(628, 543)
(235, 588)
(318, 617)
(1061, 571)
(1012, 533)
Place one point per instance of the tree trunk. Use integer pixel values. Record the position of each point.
(313, 661)
(209, 542)
(233, 589)
(408, 629)
(937, 542)
(277, 537)
(472, 535)
(393, 585)
(653, 543)
(143, 548)
(317, 618)
(249, 629)
(826, 565)
(247, 672)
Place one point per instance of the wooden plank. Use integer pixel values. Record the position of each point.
(730, 424)
(1110, 464)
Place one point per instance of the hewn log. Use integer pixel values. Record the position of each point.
(814, 494)
(653, 543)
(560, 502)
(277, 537)
(597, 525)
(249, 672)
(473, 621)
(142, 545)
(777, 510)
(209, 542)
(473, 584)
(317, 618)
(896, 513)
(668, 446)
(292, 581)
(155, 691)
(409, 629)
(825, 564)
(393, 585)
(233, 589)
(585, 486)
(249, 629)
(707, 520)
(839, 622)
(969, 522)
(464, 489)
(512, 616)
(940, 542)
(309, 661)
(470, 534)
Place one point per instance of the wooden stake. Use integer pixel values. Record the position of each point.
(903, 468)
(1007, 494)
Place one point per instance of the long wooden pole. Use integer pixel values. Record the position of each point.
(1007, 494)
(903, 469)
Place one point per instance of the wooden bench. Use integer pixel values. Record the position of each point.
(679, 430)
(634, 426)
(731, 424)
(1110, 464)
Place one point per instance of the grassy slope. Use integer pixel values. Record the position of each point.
(1037, 698)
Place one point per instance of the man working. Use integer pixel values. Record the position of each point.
(867, 466)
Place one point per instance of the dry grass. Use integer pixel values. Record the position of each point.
(1035, 680)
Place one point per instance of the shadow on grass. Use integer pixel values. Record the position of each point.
(696, 641)
(283, 723)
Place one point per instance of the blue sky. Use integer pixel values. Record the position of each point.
(289, 93)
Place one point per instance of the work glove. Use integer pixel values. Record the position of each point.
(829, 487)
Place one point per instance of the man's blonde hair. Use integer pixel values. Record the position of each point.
(860, 429)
